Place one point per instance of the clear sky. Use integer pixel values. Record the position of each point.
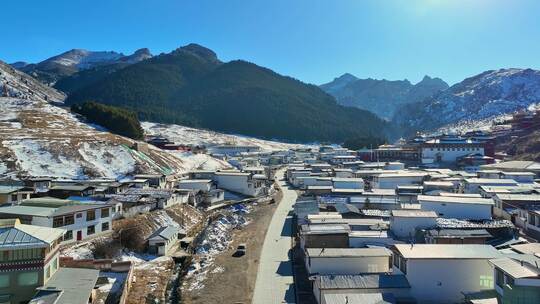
(311, 40)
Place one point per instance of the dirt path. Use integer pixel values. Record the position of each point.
(236, 280)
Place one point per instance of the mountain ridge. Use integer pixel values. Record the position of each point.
(191, 86)
(381, 96)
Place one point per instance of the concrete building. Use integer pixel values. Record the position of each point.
(443, 273)
(405, 223)
(163, 240)
(13, 195)
(448, 150)
(457, 236)
(347, 183)
(360, 284)
(28, 259)
(233, 150)
(392, 180)
(472, 185)
(240, 182)
(324, 236)
(79, 220)
(68, 286)
(457, 207)
(154, 180)
(516, 281)
(324, 261)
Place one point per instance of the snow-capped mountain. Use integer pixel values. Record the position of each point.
(67, 63)
(486, 95)
(381, 97)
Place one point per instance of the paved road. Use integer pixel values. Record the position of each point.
(275, 275)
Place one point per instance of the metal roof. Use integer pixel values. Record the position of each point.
(518, 197)
(529, 248)
(369, 281)
(10, 189)
(516, 269)
(67, 286)
(447, 251)
(347, 252)
(459, 233)
(414, 213)
(454, 200)
(19, 236)
(165, 232)
(491, 181)
(358, 298)
(325, 229)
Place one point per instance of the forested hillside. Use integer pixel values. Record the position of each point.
(191, 86)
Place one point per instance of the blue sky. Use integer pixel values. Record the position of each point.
(311, 40)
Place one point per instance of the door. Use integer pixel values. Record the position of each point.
(79, 235)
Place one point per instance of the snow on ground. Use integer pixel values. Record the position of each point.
(40, 139)
(191, 136)
(216, 238)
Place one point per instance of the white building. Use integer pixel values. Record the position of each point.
(163, 240)
(195, 184)
(79, 220)
(392, 180)
(405, 223)
(449, 150)
(472, 185)
(240, 182)
(443, 273)
(520, 177)
(347, 183)
(347, 260)
(516, 281)
(232, 150)
(13, 195)
(470, 208)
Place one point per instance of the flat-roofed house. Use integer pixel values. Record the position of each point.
(457, 236)
(324, 236)
(28, 258)
(405, 223)
(516, 281)
(65, 191)
(347, 183)
(348, 260)
(154, 180)
(443, 273)
(360, 284)
(13, 195)
(522, 209)
(240, 182)
(79, 219)
(392, 180)
(472, 185)
(68, 286)
(470, 208)
(520, 177)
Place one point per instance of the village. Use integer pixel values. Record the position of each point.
(431, 220)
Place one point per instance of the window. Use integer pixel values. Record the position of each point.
(90, 215)
(68, 235)
(4, 281)
(79, 215)
(28, 278)
(69, 220)
(54, 265)
(58, 221)
(499, 278)
(105, 212)
(14, 197)
(104, 226)
(486, 281)
(91, 230)
(48, 272)
(509, 280)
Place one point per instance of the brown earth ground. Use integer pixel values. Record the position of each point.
(236, 283)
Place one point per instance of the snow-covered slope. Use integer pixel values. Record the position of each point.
(40, 139)
(191, 136)
(484, 96)
(14, 83)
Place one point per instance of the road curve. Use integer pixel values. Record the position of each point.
(274, 282)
